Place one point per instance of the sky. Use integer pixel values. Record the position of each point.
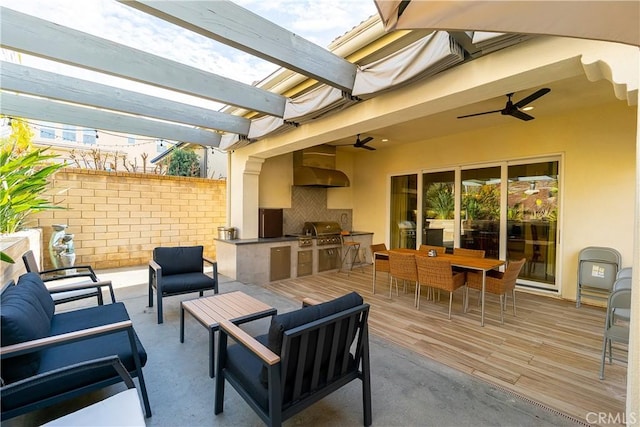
(319, 21)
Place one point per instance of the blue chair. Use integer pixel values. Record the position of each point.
(307, 354)
(179, 270)
(37, 343)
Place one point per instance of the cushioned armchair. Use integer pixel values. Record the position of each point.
(179, 270)
(62, 293)
(37, 341)
(307, 354)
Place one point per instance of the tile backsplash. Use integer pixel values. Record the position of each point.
(310, 204)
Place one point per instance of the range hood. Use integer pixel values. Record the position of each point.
(316, 167)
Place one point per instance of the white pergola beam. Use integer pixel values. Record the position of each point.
(46, 110)
(237, 27)
(32, 81)
(38, 37)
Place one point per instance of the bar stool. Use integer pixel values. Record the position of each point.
(350, 250)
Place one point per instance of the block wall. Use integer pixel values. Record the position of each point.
(117, 218)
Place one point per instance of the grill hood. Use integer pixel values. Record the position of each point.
(315, 167)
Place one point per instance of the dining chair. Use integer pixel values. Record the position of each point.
(499, 283)
(439, 249)
(402, 266)
(475, 253)
(472, 253)
(437, 273)
(615, 331)
(380, 264)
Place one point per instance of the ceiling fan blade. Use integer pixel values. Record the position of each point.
(480, 114)
(366, 147)
(520, 115)
(360, 143)
(532, 97)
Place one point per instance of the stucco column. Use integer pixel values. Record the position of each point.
(243, 194)
(633, 365)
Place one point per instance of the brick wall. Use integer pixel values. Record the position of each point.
(117, 218)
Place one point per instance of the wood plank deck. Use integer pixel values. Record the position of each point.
(549, 353)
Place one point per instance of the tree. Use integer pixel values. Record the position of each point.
(184, 163)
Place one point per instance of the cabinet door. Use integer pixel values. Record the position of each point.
(280, 263)
(305, 263)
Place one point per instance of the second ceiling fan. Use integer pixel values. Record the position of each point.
(361, 143)
(513, 109)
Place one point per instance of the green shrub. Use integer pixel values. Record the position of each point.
(184, 163)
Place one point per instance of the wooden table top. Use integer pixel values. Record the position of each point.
(457, 260)
(229, 306)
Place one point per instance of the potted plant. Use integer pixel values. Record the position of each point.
(24, 179)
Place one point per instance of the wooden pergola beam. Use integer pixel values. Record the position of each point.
(32, 81)
(228, 23)
(29, 107)
(38, 37)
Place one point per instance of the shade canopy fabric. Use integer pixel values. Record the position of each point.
(615, 21)
(425, 57)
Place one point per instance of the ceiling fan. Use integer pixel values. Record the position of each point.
(513, 109)
(361, 143)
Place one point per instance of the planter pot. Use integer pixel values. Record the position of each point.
(16, 244)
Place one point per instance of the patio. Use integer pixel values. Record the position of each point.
(536, 369)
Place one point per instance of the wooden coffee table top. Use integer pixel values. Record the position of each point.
(231, 306)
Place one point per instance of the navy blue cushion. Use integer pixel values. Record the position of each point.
(187, 282)
(80, 351)
(293, 319)
(22, 318)
(303, 316)
(246, 367)
(34, 282)
(179, 259)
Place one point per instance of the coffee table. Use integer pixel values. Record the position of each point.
(236, 307)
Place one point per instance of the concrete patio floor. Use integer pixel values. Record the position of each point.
(407, 389)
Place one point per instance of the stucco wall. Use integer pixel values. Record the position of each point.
(597, 147)
(118, 218)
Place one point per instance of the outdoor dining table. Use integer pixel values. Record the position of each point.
(471, 263)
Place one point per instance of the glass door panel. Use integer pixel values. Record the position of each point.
(480, 210)
(532, 213)
(438, 208)
(404, 211)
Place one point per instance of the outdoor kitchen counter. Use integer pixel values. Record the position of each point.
(287, 238)
(249, 260)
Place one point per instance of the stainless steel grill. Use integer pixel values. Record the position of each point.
(325, 232)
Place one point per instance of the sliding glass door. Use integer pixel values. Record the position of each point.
(509, 210)
(404, 211)
(532, 214)
(480, 210)
(438, 209)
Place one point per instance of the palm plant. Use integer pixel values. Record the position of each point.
(439, 200)
(24, 175)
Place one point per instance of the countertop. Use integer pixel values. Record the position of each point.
(262, 240)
